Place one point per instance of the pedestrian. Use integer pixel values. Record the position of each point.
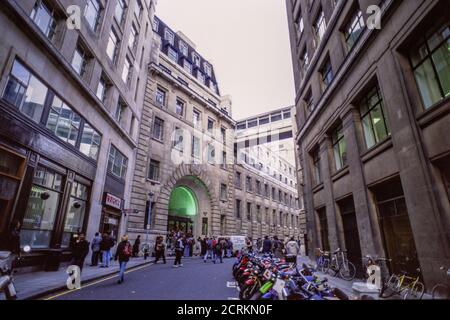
(198, 247)
(249, 245)
(105, 246)
(95, 247)
(230, 248)
(209, 249)
(292, 247)
(136, 246)
(187, 246)
(278, 248)
(267, 245)
(259, 244)
(160, 249)
(13, 238)
(179, 247)
(123, 253)
(218, 251)
(80, 250)
(203, 247)
(191, 246)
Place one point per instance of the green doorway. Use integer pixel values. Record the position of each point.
(183, 209)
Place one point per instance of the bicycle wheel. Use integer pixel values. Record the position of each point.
(414, 293)
(391, 287)
(440, 292)
(347, 272)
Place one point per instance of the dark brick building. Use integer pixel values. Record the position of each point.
(373, 113)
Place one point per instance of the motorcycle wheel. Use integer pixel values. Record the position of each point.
(247, 292)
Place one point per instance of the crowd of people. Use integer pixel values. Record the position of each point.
(274, 246)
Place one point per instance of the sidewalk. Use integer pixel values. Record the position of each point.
(35, 284)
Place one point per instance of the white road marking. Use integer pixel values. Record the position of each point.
(233, 298)
(231, 284)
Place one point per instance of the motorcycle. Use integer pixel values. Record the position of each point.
(7, 259)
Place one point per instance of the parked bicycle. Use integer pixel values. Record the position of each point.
(323, 260)
(442, 291)
(405, 285)
(339, 265)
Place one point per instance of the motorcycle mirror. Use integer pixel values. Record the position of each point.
(26, 249)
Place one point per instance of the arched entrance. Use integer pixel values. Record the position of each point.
(189, 207)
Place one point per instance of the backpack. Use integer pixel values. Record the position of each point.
(127, 250)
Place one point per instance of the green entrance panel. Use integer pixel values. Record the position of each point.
(182, 202)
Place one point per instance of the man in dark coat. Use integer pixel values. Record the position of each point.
(267, 245)
(105, 246)
(80, 250)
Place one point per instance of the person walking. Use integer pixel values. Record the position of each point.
(203, 247)
(123, 253)
(105, 246)
(209, 249)
(267, 245)
(198, 247)
(249, 245)
(259, 244)
(218, 250)
(136, 246)
(230, 248)
(160, 249)
(80, 250)
(179, 247)
(292, 247)
(278, 248)
(95, 247)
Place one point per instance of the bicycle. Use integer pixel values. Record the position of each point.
(323, 260)
(404, 285)
(441, 291)
(339, 264)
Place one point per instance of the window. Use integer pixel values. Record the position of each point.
(323, 226)
(354, 29)
(280, 196)
(266, 190)
(339, 148)
(179, 108)
(155, 24)
(373, 119)
(258, 187)
(196, 118)
(196, 59)
(119, 13)
(327, 74)
(187, 66)
(79, 61)
(44, 18)
(158, 129)
(169, 36)
(320, 26)
(183, 48)
(92, 14)
(161, 96)
(264, 120)
(210, 125)
(120, 110)
(63, 121)
(252, 123)
(112, 48)
(178, 139)
(154, 170)
(273, 194)
(223, 134)
(90, 141)
(249, 211)
(309, 102)
(173, 55)
(195, 147)
(25, 91)
(126, 72)
(223, 191)
(304, 60)
(76, 210)
(248, 184)
(133, 38)
(223, 165)
(200, 77)
(207, 68)
(316, 167)
(258, 213)
(211, 154)
(117, 163)
(274, 217)
(138, 9)
(42, 208)
(238, 208)
(431, 65)
(237, 180)
(101, 89)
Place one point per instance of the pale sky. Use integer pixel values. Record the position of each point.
(248, 43)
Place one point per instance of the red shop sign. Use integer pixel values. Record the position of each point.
(113, 201)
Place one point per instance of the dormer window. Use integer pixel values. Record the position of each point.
(187, 66)
(169, 36)
(207, 68)
(155, 25)
(183, 48)
(196, 59)
(201, 77)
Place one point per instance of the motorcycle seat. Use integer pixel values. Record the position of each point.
(4, 255)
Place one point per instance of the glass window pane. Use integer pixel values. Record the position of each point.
(441, 59)
(428, 85)
(14, 92)
(368, 132)
(20, 72)
(379, 124)
(437, 38)
(34, 100)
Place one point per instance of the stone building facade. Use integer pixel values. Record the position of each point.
(70, 105)
(373, 116)
(185, 170)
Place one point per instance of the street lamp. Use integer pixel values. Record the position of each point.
(147, 225)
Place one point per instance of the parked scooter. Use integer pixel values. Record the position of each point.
(7, 259)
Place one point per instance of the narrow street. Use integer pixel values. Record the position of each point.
(196, 280)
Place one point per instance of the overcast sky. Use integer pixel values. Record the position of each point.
(248, 43)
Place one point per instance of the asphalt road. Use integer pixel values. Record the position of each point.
(196, 280)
